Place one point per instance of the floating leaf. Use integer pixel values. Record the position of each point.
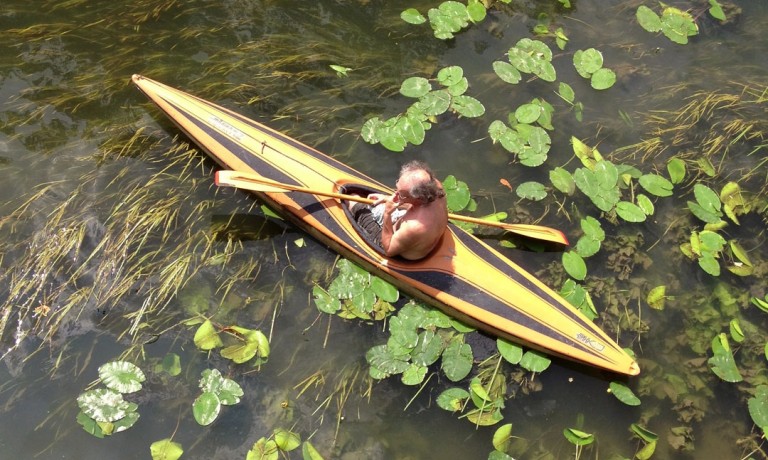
(324, 301)
(104, 405)
(644, 434)
(758, 407)
(535, 361)
(476, 11)
(676, 169)
(624, 394)
(502, 436)
(722, 363)
(467, 106)
(206, 408)
(207, 337)
(341, 71)
(456, 361)
(562, 180)
(566, 92)
(507, 72)
(630, 212)
(656, 185)
(603, 79)
(678, 25)
(648, 19)
(736, 333)
(531, 190)
(574, 265)
(452, 399)
(384, 290)
(414, 374)
(578, 437)
(287, 440)
(449, 76)
(415, 87)
(645, 204)
(250, 343)
(511, 352)
(227, 391)
(381, 358)
(760, 303)
(716, 10)
(428, 348)
(587, 61)
(121, 376)
(90, 425)
(171, 364)
(528, 113)
(657, 297)
(646, 452)
(165, 449)
(412, 16)
(264, 449)
(309, 452)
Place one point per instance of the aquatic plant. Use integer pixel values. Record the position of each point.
(410, 127)
(103, 411)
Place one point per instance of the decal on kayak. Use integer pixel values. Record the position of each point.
(226, 128)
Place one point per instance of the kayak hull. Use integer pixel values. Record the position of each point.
(463, 276)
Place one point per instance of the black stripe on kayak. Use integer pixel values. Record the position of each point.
(475, 246)
(308, 202)
(459, 288)
(289, 140)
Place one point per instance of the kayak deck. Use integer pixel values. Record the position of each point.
(463, 276)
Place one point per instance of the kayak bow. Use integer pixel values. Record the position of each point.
(463, 276)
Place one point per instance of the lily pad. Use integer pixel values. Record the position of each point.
(587, 62)
(574, 265)
(630, 212)
(532, 190)
(758, 407)
(287, 440)
(104, 405)
(507, 72)
(412, 16)
(624, 394)
(722, 363)
(502, 437)
(206, 408)
(656, 185)
(657, 297)
(207, 337)
(165, 449)
(511, 352)
(535, 361)
(578, 437)
(121, 376)
(562, 180)
(603, 79)
(456, 361)
(452, 399)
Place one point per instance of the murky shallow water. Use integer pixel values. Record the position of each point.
(69, 116)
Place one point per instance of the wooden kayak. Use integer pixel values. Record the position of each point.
(463, 276)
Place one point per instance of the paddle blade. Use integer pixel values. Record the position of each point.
(225, 178)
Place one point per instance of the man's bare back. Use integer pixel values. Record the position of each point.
(416, 233)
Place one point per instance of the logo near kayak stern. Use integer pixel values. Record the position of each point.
(594, 344)
(226, 128)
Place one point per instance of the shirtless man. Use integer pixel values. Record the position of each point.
(410, 222)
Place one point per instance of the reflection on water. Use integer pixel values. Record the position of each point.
(112, 233)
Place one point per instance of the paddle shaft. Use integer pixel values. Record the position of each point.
(256, 183)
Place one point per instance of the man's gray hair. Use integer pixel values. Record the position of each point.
(425, 191)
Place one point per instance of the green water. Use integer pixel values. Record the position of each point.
(80, 148)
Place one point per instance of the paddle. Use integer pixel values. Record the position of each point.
(256, 183)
